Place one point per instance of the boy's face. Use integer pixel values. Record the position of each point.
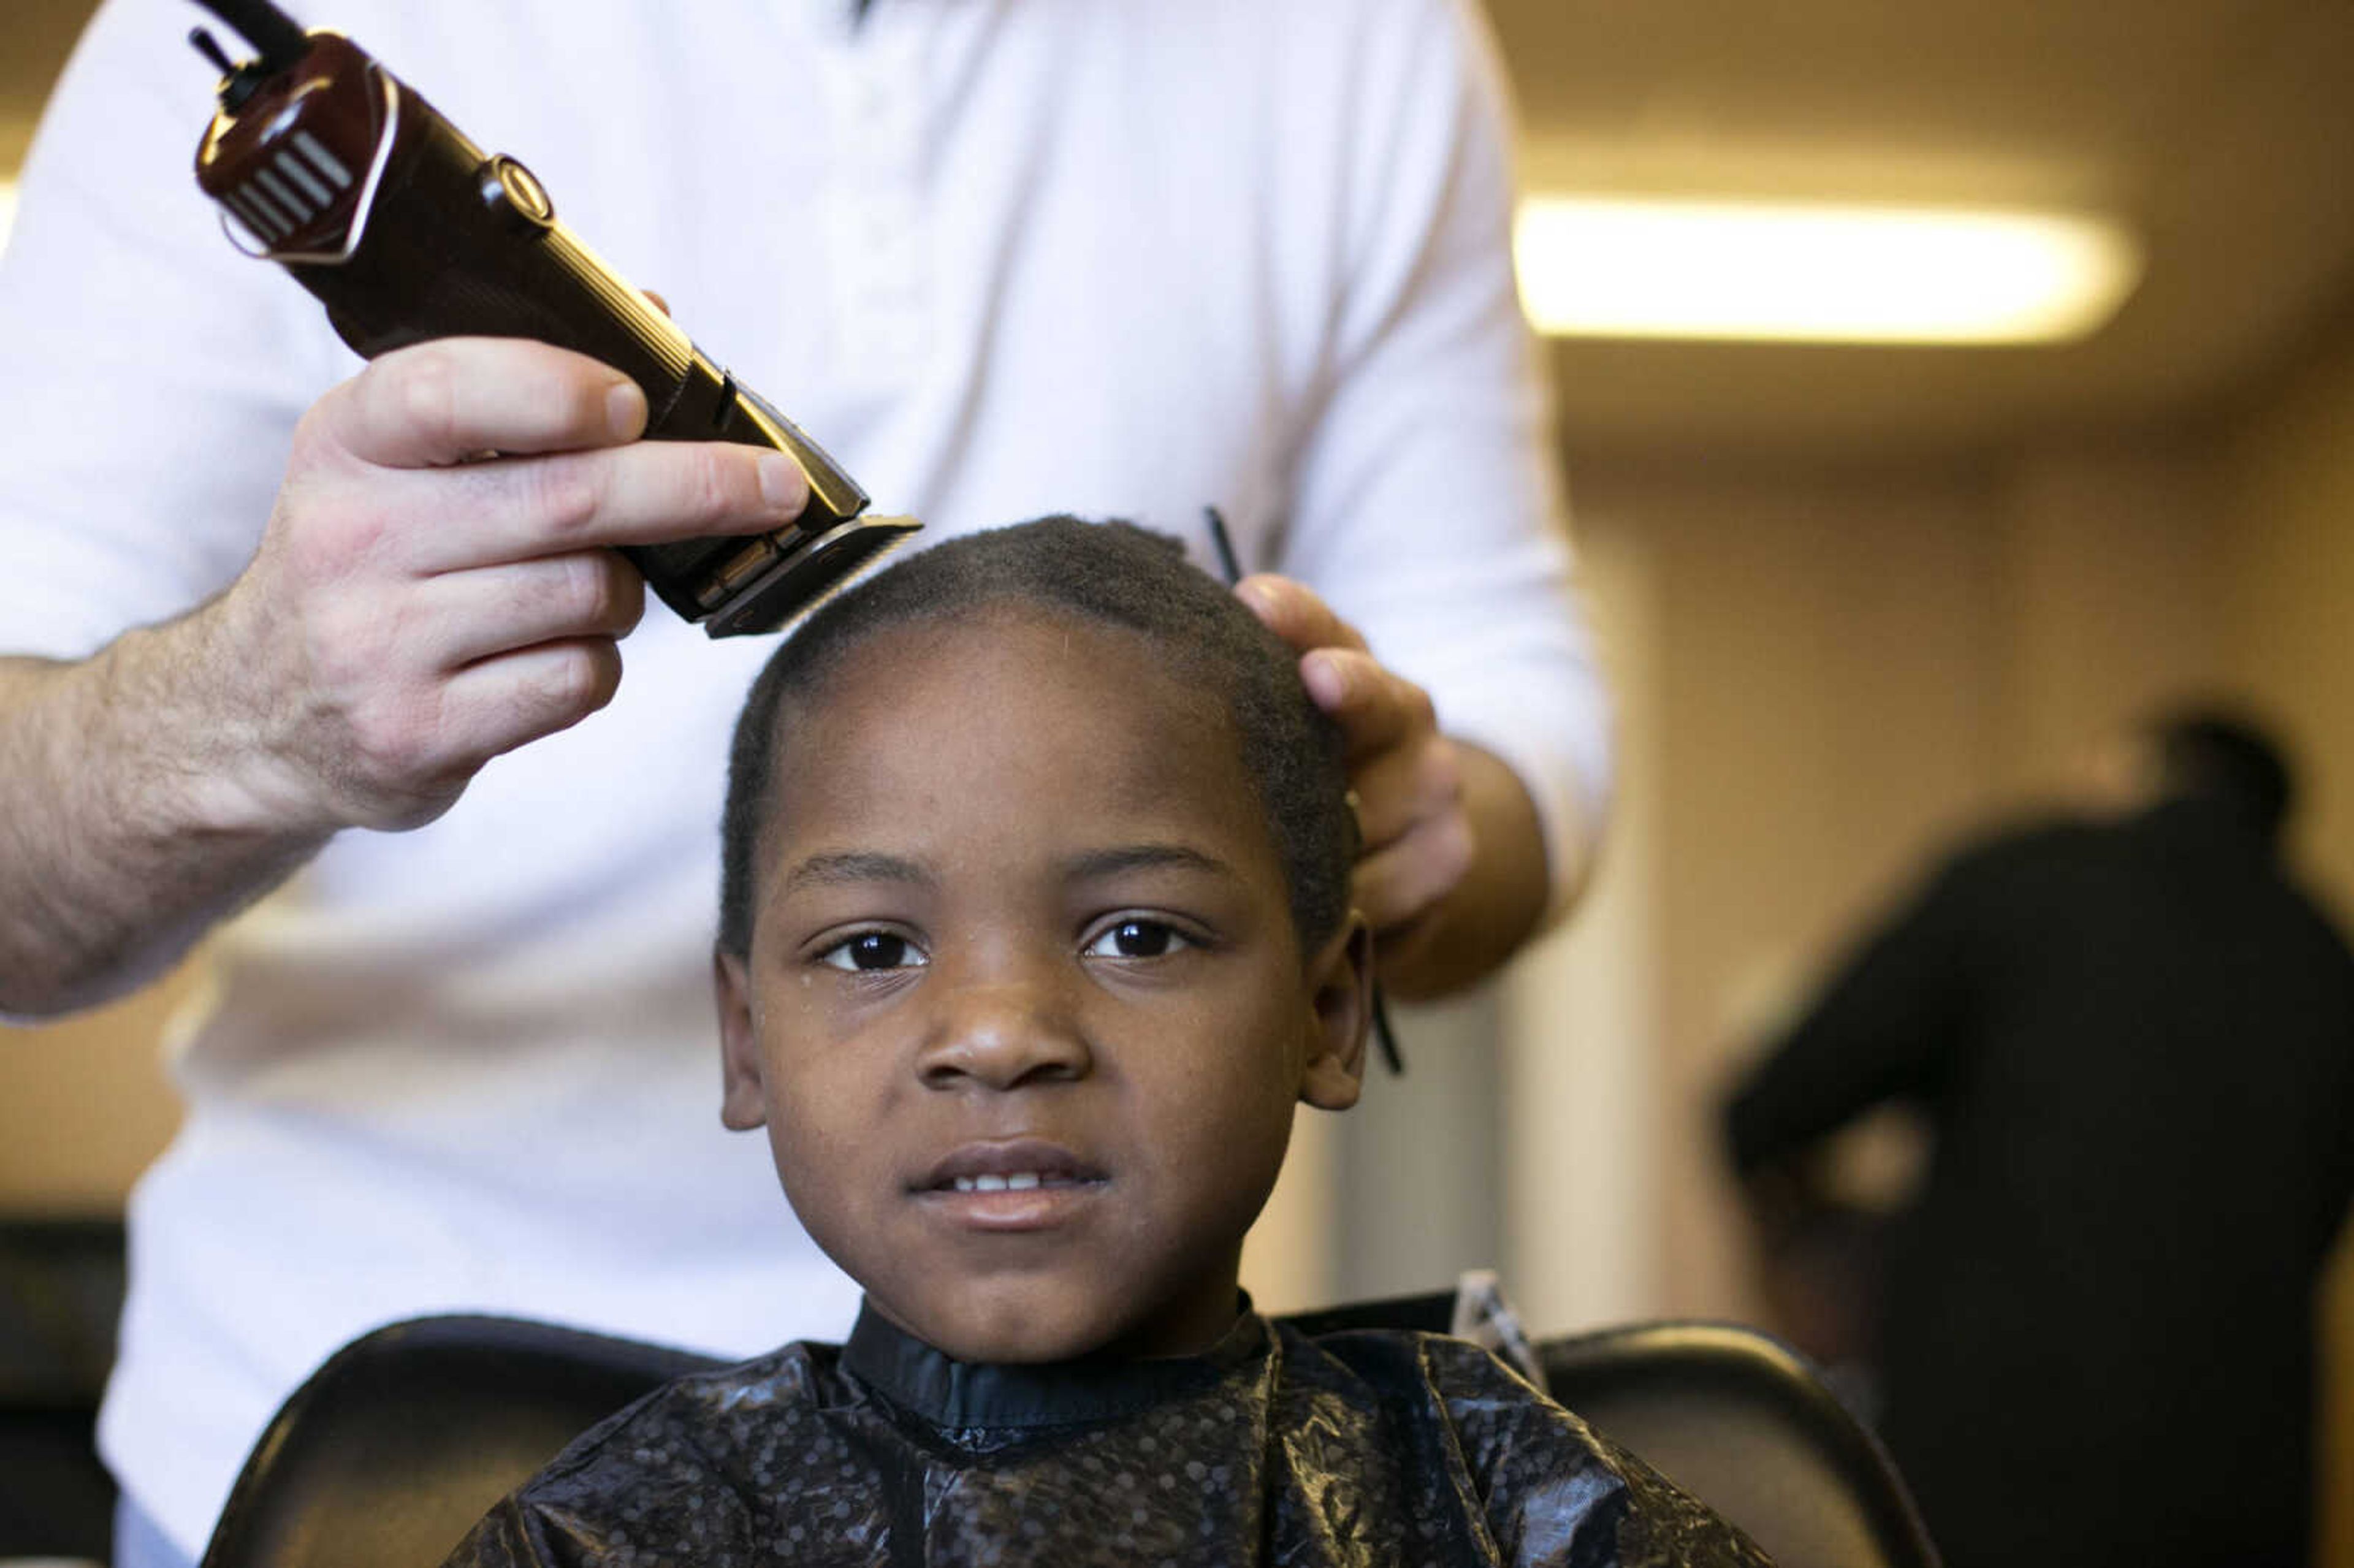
(1025, 1012)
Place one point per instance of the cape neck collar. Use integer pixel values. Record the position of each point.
(960, 1396)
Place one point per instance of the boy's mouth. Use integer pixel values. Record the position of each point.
(1023, 1184)
(1020, 1165)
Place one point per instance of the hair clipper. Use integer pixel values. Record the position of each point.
(407, 231)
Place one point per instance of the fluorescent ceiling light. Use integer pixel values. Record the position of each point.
(1595, 267)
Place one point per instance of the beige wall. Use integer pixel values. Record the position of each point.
(84, 1105)
(1583, 1084)
(1822, 687)
(2286, 545)
(2108, 603)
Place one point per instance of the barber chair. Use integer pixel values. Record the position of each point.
(393, 1449)
(60, 1294)
(1742, 1422)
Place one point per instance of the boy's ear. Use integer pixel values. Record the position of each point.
(743, 1091)
(1340, 994)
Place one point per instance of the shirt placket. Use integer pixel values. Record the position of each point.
(879, 255)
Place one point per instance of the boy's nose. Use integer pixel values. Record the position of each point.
(1004, 1034)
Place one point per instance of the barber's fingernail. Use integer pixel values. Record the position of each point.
(782, 483)
(625, 410)
(1323, 678)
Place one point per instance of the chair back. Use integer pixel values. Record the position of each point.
(391, 1451)
(60, 1297)
(1742, 1423)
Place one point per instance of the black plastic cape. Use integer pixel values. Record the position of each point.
(1363, 1447)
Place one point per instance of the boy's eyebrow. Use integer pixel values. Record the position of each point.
(854, 865)
(1143, 857)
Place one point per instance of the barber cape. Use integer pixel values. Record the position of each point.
(1359, 1447)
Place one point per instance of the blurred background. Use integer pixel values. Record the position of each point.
(1855, 599)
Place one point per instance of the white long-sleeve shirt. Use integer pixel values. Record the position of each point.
(1002, 258)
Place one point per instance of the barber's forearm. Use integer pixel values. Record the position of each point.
(126, 832)
(1497, 904)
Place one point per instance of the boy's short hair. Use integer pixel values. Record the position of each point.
(1114, 574)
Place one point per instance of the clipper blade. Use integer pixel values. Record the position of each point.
(808, 575)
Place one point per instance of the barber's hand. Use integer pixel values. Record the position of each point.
(418, 608)
(1407, 778)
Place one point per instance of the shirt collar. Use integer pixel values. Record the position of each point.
(962, 1395)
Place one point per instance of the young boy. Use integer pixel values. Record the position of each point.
(1035, 930)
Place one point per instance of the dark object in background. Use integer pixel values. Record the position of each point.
(60, 1294)
(406, 232)
(2135, 1041)
(389, 1453)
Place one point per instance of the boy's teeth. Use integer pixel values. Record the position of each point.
(1020, 1181)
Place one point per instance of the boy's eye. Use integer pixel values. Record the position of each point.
(1137, 939)
(872, 950)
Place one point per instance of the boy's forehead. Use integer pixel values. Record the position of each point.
(1035, 710)
(1018, 659)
